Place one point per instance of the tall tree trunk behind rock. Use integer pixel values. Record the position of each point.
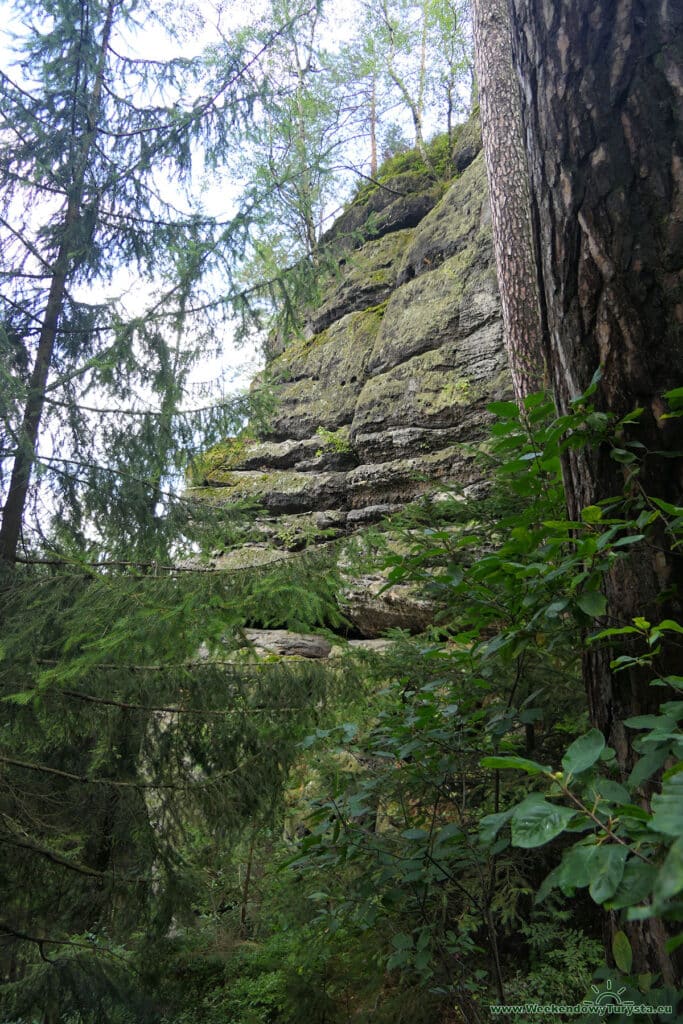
(602, 105)
(506, 167)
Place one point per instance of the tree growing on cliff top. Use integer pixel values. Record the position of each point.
(601, 114)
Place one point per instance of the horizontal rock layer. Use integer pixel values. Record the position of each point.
(381, 398)
(378, 403)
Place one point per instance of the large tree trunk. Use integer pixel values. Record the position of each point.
(506, 166)
(602, 105)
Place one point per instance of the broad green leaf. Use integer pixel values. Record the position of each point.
(612, 791)
(591, 514)
(613, 631)
(647, 765)
(633, 538)
(503, 409)
(523, 763)
(671, 625)
(549, 883)
(635, 885)
(674, 770)
(593, 603)
(422, 960)
(584, 752)
(402, 941)
(415, 834)
(398, 959)
(606, 866)
(644, 721)
(622, 952)
(535, 822)
(491, 824)
(675, 681)
(674, 944)
(669, 880)
(450, 831)
(573, 872)
(621, 455)
(667, 808)
(675, 396)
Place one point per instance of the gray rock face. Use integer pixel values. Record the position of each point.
(378, 404)
(399, 203)
(287, 644)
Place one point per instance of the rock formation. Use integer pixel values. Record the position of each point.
(379, 397)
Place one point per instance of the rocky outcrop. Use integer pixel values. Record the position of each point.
(380, 397)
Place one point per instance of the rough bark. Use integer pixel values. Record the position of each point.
(602, 105)
(508, 177)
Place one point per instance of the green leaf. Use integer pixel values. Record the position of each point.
(535, 822)
(633, 538)
(591, 514)
(491, 824)
(398, 959)
(622, 952)
(523, 763)
(673, 944)
(612, 791)
(584, 752)
(422, 960)
(606, 866)
(415, 834)
(613, 631)
(670, 876)
(671, 625)
(402, 941)
(450, 831)
(503, 409)
(573, 872)
(635, 885)
(674, 397)
(647, 765)
(667, 808)
(621, 455)
(593, 603)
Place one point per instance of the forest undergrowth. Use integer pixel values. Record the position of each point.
(459, 837)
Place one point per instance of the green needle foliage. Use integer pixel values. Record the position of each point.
(135, 721)
(97, 146)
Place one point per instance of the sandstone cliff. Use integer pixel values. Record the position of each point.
(379, 397)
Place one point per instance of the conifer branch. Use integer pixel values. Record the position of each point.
(40, 941)
(123, 783)
(56, 858)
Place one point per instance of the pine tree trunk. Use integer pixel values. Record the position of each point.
(506, 166)
(602, 111)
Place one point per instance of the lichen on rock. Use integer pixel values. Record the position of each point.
(382, 396)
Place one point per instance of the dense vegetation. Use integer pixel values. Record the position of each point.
(194, 833)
